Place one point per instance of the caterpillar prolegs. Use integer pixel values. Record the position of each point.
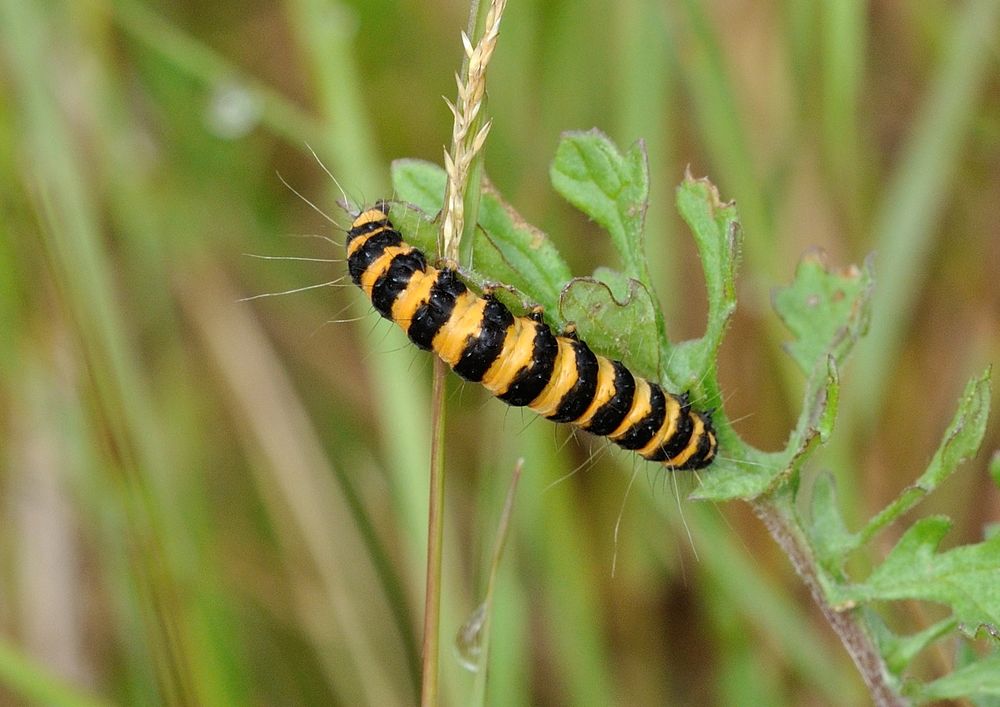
(519, 359)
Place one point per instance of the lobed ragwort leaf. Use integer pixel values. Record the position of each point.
(715, 226)
(826, 310)
(966, 578)
(760, 473)
(833, 543)
(961, 441)
(980, 678)
(615, 315)
(609, 187)
(506, 247)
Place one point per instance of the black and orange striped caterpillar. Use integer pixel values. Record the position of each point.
(519, 359)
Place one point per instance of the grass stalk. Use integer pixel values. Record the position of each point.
(500, 542)
(123, 409)
(326, 37)
(37, 684)
(843, 49)
(469, 132)
(468, 137)
(435, 537)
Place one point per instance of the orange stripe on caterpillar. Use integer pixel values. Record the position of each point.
(519, 359)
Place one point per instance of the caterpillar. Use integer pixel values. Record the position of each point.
(518, 358)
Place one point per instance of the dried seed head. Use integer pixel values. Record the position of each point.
(465, 145)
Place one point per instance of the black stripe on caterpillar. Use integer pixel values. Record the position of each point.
(518, 358)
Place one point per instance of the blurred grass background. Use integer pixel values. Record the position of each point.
(215, 502)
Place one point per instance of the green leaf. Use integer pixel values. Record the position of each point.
(621, 327)
(978, 679)
(826, 310)
(828, 535)
(419, 190)
(899, 651)
(753, 474)
(966, 578)
(537, 268)
(820, 411)
(618, 283)
(507, 250)
(417, 228)
(716, 228)
(995, 467)
(419, 183)
(961, 442)
(611, 188)
(761, 473)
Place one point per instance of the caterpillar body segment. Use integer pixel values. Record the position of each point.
(518, 358)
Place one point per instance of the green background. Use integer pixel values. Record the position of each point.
(221, 502)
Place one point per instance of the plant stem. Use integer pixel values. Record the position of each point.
(435, 535)
(857, 642)
(502, 534)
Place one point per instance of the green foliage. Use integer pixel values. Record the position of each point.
(514, 253)
(961, 441)
(613, 310)
(978, 679)
(617, 311)
(609, 187)
(826, 310)
(965, 578)
(716, 229)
